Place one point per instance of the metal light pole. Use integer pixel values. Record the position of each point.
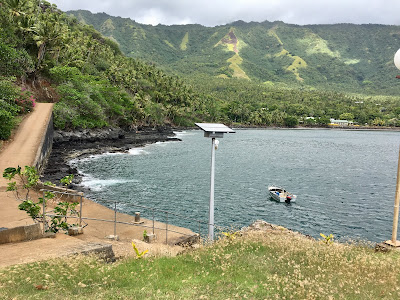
(211, 206)
(213, 131)
(394, 242)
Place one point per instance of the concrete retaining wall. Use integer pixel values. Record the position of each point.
(103, 251)
(45, 146)
(21, 233)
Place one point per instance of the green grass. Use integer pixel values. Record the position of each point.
(169, 44)
(272, 32)
(315, 44)
(278, 265)
(235, 62)
(184, 42)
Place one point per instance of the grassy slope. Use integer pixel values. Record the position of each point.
(277, 265)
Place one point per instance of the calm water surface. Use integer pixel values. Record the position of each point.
(345, 181)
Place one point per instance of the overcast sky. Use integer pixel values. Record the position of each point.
(218, 12)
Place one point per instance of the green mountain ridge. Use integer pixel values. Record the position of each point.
(250, 74)
(340, 57)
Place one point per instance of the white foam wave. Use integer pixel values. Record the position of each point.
(137, 151)
(162, 143)
(94, 157)
(179, 134)
(96, 184)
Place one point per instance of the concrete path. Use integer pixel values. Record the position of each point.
(44, 249)
(23, 146)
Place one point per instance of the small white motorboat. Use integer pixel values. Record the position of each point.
(281, 195)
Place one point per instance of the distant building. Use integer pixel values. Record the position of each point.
(301, 121)
(342, 123)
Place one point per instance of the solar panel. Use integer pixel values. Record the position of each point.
(215, 127)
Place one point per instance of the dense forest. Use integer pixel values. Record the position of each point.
(254, 104)
(49, 56)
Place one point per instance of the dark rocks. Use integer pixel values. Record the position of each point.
(85, 142)
(187, 241)
(88, 135)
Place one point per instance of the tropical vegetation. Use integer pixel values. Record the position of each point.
(251, 74)
(52, 55)
(340, 57)
(263, 73)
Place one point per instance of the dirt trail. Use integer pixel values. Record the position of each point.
(21, 150)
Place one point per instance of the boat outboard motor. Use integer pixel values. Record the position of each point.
(288, 198)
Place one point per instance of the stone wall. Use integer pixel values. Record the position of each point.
(45, 146)
(21, 233)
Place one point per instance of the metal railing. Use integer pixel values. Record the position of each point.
(154, 212)
(168, 213)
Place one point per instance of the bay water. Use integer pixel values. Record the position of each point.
(345, 181)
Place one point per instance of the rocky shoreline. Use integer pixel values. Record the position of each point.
(68, 145)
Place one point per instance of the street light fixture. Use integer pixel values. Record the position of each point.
(394, 242)
(213, 130)
(397, 59)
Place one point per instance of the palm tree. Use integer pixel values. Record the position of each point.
(49, 31)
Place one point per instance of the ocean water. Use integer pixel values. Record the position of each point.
(345, 181)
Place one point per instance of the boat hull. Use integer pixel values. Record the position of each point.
(281, 195)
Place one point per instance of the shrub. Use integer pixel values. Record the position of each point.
(29, 179)
(64, 74)
(7, 122)
(8, 107)
(8, 91)
(63, 115)
(291, 121)
(25, 101)
(88, 101)
(82, 111)
(14, 62)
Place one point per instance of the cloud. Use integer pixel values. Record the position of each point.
(218, 12)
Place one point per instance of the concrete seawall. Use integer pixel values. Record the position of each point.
(45, 146)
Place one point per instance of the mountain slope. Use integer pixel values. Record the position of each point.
(345, 57)
(48, 56)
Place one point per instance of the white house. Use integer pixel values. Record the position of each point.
(340, 122)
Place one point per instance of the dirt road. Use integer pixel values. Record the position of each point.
(21, 150)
